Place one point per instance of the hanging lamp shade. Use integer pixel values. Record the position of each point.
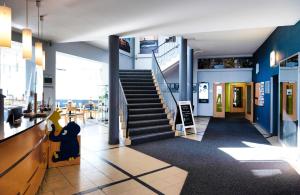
(39, 54)
(27, 43)
(44, 60)
(5, 26)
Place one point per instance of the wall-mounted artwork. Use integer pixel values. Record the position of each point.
(220, 63)
(147, 44)
(125, 44)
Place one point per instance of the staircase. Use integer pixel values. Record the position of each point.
(147, 117)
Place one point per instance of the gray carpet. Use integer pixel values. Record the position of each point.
(212, 171)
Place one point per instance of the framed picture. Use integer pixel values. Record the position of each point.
(147, 44)
(125, 44)
(203, 92)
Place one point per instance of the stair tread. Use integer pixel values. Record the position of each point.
(144, 104)
(146, 121)
(149, 127)
(133, 98)
(146, 108)
(151, 134)
(141, 115)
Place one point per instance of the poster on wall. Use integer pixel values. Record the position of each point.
(203, 92)
(147, 44)
(260, 94)
(125, 44)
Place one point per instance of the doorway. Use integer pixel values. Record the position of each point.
(233, 99)
(274, 105)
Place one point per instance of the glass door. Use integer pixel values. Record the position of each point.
(289, 98)
(219, 100)
(288, 115)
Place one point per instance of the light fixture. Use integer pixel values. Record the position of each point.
(27, 38)
(38, 44)
(272, 58)
(38, 53)
(44, 53)
(44, 60)
(5, 26)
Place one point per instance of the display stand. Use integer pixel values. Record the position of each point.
(187, 117)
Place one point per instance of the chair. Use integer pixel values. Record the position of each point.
(70, 114)
(80, 112)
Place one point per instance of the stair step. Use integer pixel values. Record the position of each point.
(143, 100)
(146, 111)
(148, 76)
(137, 96)
(134, 70)
(148, 123)
(149, 129)
(145, 105)
(139, 139)
(136, 88)
(125, 84)
(153, 92)
(138, 117)
(136, 79)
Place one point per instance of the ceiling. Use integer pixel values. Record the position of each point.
(216, 27)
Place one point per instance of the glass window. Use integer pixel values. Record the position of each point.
(79, 79)
(13, 74)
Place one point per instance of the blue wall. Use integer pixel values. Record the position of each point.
(285, 41)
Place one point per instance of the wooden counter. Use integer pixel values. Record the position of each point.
(23, 156)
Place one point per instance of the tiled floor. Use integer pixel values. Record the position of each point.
(118, 169)
(107, 169)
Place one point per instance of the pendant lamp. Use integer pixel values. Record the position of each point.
(38, 44)
(27, 38)
(44, 60)
(5, 26)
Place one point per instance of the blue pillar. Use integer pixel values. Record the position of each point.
(113, 76)
(190, 75)
(183, 70)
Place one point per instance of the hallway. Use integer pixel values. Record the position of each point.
(232, 158)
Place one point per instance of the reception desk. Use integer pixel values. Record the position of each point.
(23, 156)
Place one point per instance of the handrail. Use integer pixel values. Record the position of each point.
(164, 77)
(123, 107)
(176, 46)
(166, 92)
(122, 91)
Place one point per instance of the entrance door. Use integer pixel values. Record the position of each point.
(219, 100)
(249, 101)
(237, 98)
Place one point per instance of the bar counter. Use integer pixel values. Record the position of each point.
(23, 156)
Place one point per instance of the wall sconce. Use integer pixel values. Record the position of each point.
(272, 58)
(5, 27)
